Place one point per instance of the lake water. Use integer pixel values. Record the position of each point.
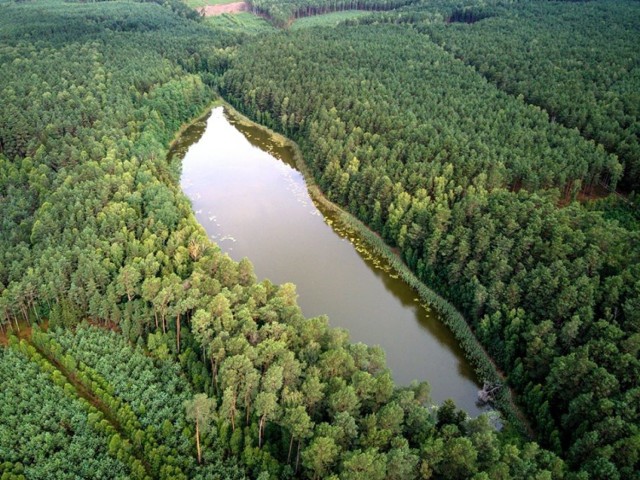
(253, 203)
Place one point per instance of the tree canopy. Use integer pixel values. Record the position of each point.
(475, 188)
(402, 120)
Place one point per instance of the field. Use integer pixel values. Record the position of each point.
(327, 20)
(251, 23)
(244, 22)
(204, 3)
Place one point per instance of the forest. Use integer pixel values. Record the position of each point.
(493, 144)
(467, 182)
(530, 60)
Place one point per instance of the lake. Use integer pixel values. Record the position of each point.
(248, 195)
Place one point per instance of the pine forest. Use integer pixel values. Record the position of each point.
(489, 148)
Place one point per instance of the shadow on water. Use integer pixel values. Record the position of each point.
(261, 139)
(192, 134)
(361, 292)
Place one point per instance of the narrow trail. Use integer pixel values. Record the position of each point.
(85, 392)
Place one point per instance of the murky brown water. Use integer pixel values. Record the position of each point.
(254, 203)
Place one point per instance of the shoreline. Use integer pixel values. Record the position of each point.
(474, 352)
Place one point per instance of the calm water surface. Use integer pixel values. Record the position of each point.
(254, 203)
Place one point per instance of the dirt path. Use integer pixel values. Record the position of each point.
(89, 395)
(21, 330)
(235, 7)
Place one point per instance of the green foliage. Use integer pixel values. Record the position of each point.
(460, 129)
(140, 446)
(146, 395)
(295, 396)
(443, 165)
(327, 19)
(577, 60)
(623, 210)
(45, 432)
(91, 97)
(93, 94)
(242, 22)
(466, 182)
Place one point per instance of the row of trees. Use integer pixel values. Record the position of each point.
(44, 432)
(144, 394)
(466, 182)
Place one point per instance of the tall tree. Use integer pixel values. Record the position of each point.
(201, 410)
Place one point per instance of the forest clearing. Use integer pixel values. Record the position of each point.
(233, 7)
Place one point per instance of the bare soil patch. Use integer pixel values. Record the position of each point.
(235, 7)
(23, 330)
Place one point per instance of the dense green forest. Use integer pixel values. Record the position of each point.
(93, 406)
(46, 432)
(582, 67)
(475, 187)
(211, 373)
